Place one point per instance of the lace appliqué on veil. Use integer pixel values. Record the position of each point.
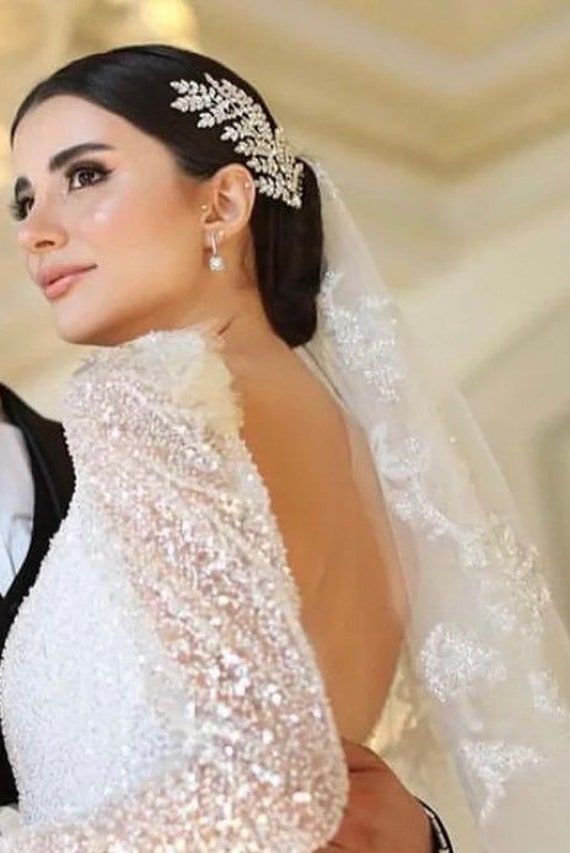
(510, 596)
(453, 661)
(546, 695)
(493, 764)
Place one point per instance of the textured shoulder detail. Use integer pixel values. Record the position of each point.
(184, 366)
(200, 720)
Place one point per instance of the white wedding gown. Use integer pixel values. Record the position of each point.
(157, 690)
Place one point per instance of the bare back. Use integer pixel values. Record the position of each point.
(317, 467)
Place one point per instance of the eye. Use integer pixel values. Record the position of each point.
(86, 174)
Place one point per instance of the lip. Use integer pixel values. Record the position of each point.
(56, 283)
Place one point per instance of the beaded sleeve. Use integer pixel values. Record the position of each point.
(160, 463)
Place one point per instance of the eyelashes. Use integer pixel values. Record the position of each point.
(18, 209)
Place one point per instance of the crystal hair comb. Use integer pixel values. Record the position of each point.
(270, 156)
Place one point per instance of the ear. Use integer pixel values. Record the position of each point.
(227, 207)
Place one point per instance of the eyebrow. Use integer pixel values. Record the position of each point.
(59, 160)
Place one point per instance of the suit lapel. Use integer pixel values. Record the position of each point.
(47, 448)
(52, 473)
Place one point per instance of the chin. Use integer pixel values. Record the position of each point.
(75, 330)
(73, 335)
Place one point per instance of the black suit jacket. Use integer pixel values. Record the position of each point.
(53, 477)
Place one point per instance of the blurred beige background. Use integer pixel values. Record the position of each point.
(446, 123)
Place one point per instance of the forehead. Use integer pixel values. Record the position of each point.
(62, 122)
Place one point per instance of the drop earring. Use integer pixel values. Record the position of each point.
(215, 261)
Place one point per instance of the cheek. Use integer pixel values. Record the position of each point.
(148, 250)
(133, 228)
(112, 221)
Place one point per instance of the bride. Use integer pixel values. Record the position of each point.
(244, 565)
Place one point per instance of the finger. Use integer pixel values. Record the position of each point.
(361, 837)
(360, 833)
(359, 757)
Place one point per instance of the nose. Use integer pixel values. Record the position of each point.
(37, 235)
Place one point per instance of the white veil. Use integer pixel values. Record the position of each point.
(477, 722)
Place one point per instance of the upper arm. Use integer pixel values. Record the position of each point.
(262, 765)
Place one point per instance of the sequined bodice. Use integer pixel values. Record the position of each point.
(157, 684)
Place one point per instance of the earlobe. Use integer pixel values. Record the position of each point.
(215, 261)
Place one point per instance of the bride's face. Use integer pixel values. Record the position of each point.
(123, 210)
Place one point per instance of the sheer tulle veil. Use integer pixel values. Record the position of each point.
(477, 720)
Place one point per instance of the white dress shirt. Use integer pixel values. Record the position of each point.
(16, 502)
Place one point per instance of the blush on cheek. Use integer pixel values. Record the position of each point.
(108, 212)
(120, 224)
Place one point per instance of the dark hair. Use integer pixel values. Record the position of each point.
(133, 82)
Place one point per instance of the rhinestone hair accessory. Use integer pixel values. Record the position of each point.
(270, 156)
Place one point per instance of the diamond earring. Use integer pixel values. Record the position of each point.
(215, 261)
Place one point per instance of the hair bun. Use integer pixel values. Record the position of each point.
(289, 255)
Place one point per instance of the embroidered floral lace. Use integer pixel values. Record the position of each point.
(478, 719)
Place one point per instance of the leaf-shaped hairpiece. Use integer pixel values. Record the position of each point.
(246, 124)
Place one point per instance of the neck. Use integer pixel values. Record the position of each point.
(245, 329)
